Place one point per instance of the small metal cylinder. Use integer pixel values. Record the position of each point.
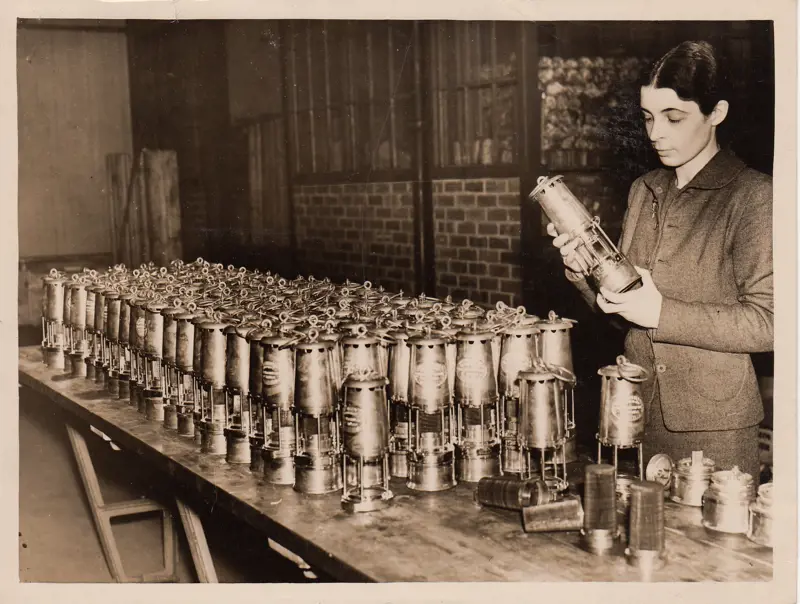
(691, 479)
(428, 383)
(511, 492)
(475, 384)
(360, 353)
(184, 346)
(54, 358)
(541, 409)
(138, 324)
(563, 514)
(278, 372)
(599, 505)
(759, 529)
(170, 330)
(125, 319)
(555, 347)
(68, 289)
(197, 348)
(213, 353)
(365, 420)
(314, 387)
(99, 309)
(399, 360)
(646, 530)
(256, 357)
(431, 470)
(78, 306)
(518, 349)
(154, 331)
(726, 502)
(113, 316)
(54, 299)
(237, 360)
(317, 475)
(88, 309)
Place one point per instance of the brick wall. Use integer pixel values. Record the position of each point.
(357, 231)
(477, 226)
(365, 231)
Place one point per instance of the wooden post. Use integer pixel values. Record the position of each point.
(138, 215)
(118, 171)
(530, 163)
(162, 208)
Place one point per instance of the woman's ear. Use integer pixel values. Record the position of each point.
(719, 113)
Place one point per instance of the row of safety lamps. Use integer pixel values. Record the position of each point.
(323, 387)
(285, 374)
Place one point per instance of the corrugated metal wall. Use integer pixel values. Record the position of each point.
(74, 108)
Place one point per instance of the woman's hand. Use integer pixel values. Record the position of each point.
(567, 246)
(641, 306)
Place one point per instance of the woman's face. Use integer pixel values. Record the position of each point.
(677, 129)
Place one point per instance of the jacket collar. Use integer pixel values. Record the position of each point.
(717, 173)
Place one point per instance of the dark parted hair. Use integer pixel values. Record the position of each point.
(695, 71)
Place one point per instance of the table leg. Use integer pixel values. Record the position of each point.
(198, 546)
(102, 514)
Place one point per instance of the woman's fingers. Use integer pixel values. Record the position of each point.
(567, 245)
(561, 240)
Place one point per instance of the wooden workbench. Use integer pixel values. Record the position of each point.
(420, 537)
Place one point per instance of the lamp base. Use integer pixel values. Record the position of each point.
(212, 438)
(278, 466)
(473, 464)
(317, 475)
(372, 499)
(54, 358)
(237, 446)
(431, 472)
(153, 405)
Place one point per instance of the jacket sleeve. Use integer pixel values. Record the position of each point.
(745, 326)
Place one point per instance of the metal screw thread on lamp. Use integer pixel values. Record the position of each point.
(599, 504)
(646, 530)
(511, 492)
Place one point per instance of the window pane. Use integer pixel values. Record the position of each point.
(317, 67)
(381, 144)
(298, 62)
(337, 141)
(359, 62)
(377, 50)
(403, 57)
(404, 132)
(475, 89)
(304, 142)
(337, 60)
(321, 139)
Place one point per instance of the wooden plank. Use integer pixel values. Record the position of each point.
(198, 546)
(162, 205)
(118, 167)
(95, 496)
(138, 215)
(419, 537)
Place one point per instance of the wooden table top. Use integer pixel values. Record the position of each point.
(419, 537)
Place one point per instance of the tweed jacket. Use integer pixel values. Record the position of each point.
(712, 263)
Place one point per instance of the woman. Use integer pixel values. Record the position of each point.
(699, 231)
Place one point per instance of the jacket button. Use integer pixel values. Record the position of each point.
(659, 190)
(661, 368)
